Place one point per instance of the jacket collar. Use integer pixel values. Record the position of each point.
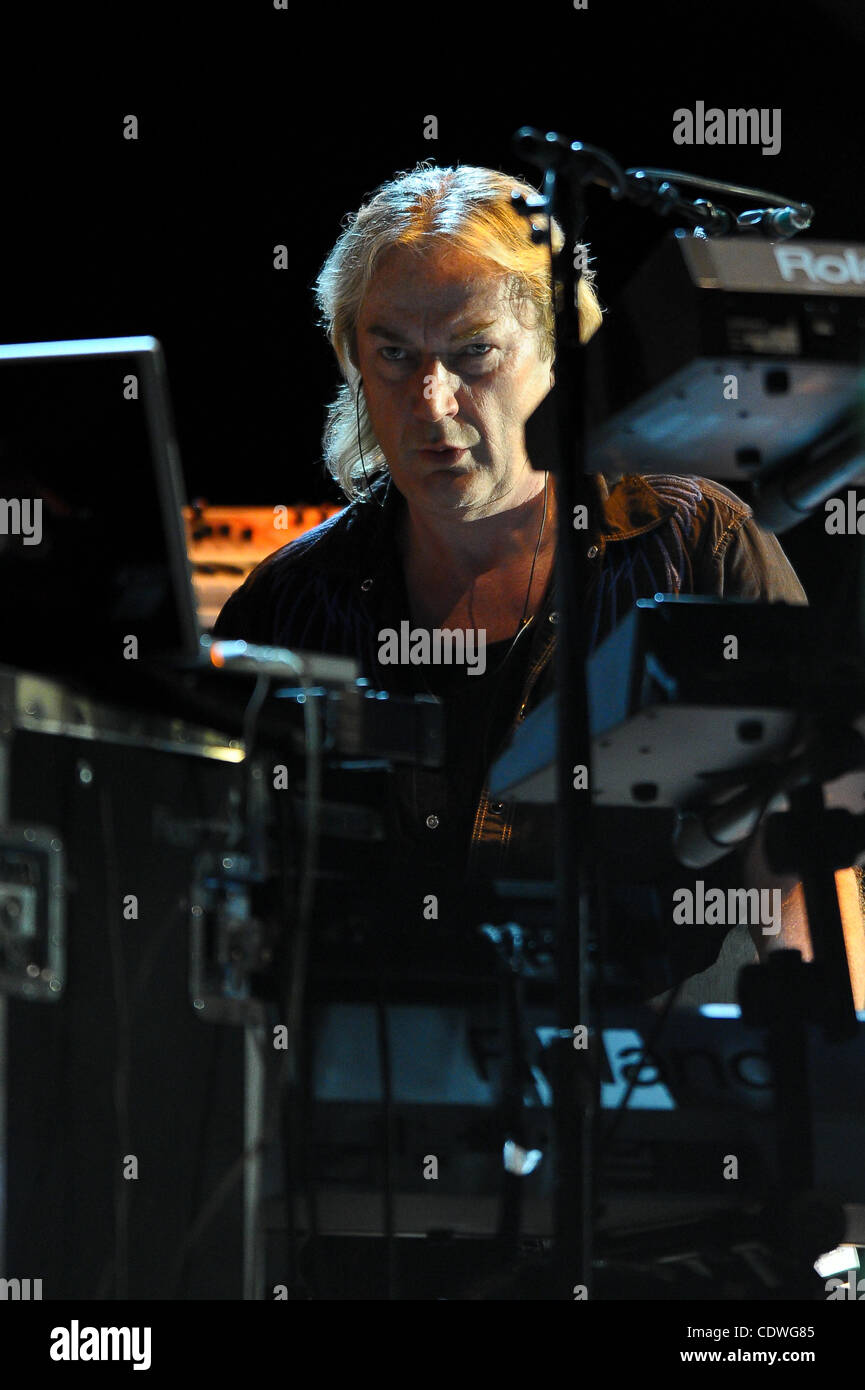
(630, 507)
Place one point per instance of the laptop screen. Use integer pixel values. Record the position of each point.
(93, 569)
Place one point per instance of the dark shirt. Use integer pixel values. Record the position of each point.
(479, 713)
(335, 589)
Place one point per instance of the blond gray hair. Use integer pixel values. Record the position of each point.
(470, 208)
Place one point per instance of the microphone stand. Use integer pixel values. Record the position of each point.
(574, 1084)
(556, 436)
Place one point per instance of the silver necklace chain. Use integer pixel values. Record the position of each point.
(524, 621)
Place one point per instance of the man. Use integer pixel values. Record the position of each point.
(438, 306)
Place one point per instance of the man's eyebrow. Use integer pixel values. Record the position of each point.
(381, 330)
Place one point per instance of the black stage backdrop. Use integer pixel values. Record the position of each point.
(263, 127)
(267, 126)
(260, 126)
(302, 113)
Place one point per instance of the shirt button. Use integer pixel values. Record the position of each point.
(432, 822)
(554, 618)
(592, 551)
(366, 585)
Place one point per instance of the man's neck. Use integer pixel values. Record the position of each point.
(470, 546)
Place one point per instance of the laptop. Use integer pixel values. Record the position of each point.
(94, 575)
(95, 583)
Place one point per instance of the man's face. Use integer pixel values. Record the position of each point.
(450, 376)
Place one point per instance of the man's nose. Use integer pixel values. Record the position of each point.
(436, 392)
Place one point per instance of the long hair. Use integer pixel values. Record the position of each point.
(469, 207)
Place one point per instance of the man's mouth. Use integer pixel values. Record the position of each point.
(446, 452)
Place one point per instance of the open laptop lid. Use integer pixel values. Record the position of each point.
(94, 574)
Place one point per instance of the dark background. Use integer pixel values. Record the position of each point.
(292, 119)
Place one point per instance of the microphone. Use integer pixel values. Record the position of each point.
(310, 668)
(786, 493)
(705, 835)
(777, 223)
(701, 838)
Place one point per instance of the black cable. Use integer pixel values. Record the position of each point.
(291, 1121)
(234, 1172)
(158, 940)
(606, 1139)
(292, 988)
(300, 1100)
(512, 1101)
(775, 786)
(231, 1175)
(211, 1094)
(719, 186)
(51, 1164)
(306, 1099)
(251, 829)
(771, 792)
(552, 150)
(122, 1057)
(286, 1107)
(388, 1145)
(288, 1129)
